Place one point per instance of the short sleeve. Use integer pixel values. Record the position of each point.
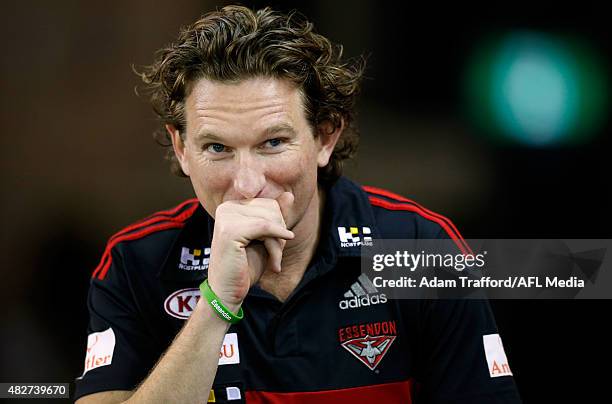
(120, 351)
(462, 359)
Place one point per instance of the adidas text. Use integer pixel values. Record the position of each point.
(361, 301)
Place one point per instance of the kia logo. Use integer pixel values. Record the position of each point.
(181, 303)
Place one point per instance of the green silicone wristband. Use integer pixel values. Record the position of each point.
(223, 312)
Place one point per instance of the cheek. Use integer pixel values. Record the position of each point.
(210, 185)
(294, 169)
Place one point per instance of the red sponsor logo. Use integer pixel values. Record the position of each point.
(95, 341)
(92, 362)
(500, 369)
(368, 342)
(229, 353)
(181, 303)
(372, 329)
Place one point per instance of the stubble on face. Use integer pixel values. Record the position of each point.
(239, 116)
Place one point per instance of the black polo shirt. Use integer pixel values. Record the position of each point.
(336, 339)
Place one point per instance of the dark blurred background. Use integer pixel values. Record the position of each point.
(496, 116)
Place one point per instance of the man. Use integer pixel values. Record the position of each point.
(242, 294)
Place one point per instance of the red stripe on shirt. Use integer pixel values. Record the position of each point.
(142, 230)
(391, 195)
(455, 236)
(398, 392)
(154, 218)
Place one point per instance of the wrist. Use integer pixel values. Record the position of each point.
(229, 299)
(229, 311)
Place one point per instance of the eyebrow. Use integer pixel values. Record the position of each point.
(272, 130)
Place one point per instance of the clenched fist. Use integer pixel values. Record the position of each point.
(248, 239)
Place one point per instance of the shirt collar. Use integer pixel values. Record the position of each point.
(349, 221)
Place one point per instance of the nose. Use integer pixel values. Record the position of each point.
(249, 179)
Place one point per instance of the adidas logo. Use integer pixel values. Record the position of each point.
(362, 293)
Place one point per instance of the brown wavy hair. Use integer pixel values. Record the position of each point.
(237, 43)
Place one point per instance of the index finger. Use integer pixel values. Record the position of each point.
(285, 201)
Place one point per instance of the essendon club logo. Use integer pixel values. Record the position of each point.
(368, 342)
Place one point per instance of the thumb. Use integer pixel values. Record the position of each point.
(285, 202)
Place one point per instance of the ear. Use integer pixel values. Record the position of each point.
(179, 147)
(327, 138)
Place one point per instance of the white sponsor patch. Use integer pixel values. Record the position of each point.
(233, 393)
(194, 260)
(229, 354)
(100, 348)
(496, 356)
(353, 237)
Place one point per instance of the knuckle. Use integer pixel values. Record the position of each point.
(264, 225)
(221, 209)
(274, 204)
(221, 229)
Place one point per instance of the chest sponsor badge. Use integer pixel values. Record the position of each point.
(369, 343)
(181, 303)
(354, 236)
(229, 354)
(196, 259)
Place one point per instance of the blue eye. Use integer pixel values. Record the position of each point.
(216, 148)
(274, 142)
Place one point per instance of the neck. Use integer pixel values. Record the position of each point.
(298, 252)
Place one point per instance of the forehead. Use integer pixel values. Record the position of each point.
(253, 98)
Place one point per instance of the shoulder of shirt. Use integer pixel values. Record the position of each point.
(399, 217)
(148, 235)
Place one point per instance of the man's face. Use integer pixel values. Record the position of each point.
(248, 140)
